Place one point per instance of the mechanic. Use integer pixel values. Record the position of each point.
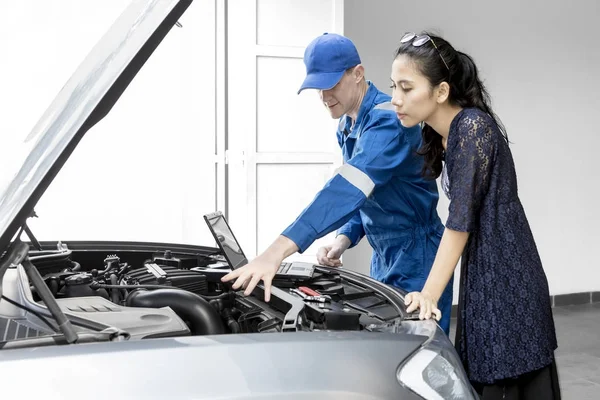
(378, 192)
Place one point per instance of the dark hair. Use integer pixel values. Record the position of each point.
(466, 90)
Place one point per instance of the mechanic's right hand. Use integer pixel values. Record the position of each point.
(248, 276)
(330, 255)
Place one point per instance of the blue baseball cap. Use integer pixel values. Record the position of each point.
(326, 59)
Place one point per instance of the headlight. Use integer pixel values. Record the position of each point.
(433, 377)
(434, 372)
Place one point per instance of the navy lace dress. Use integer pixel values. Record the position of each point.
(505, 324)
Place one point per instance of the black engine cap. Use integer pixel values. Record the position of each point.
(79, 279)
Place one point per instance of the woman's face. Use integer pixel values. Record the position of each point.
(412, 94)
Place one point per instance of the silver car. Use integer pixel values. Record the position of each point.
(153, 320)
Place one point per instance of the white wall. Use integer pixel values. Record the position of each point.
(540, 62)
(146, 172)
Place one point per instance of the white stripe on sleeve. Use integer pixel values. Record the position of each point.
(357, 178)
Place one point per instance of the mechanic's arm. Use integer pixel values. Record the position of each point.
(347, 236)
(382, 148)
(261, 268)
(380, 151)
(353, 230)
(331, 254)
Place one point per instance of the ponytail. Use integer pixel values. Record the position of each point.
(470, 90)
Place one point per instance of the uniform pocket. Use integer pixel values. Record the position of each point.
(403, 257)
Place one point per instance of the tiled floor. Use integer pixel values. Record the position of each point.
(578, 354)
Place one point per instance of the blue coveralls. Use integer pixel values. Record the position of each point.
(379, 193)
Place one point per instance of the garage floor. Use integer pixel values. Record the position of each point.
(578, 354)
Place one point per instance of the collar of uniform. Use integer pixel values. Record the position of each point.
(365, 107)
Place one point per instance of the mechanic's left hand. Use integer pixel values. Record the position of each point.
(425, 302)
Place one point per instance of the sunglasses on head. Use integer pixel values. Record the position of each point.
(420, 40)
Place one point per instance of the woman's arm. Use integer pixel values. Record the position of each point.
(446, 259)
(469, 165)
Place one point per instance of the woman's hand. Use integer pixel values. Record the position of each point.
(425, 302)
(451, 247)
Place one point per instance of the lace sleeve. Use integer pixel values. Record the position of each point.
(470, 162)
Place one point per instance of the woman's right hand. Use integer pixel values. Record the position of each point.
(426, 304)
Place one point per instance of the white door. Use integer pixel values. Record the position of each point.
(281, 146)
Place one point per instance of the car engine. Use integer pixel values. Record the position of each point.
(164, 296)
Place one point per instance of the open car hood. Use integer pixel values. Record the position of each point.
(84, 100)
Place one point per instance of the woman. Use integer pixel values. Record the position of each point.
(505, 333)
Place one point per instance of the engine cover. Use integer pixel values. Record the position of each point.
(139, 322)
(154, 274)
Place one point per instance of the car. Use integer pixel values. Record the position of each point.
(154, 320)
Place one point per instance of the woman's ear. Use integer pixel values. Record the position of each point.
(443, 92)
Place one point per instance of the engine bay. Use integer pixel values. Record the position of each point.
(170, 293)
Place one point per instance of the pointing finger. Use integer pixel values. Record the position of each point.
(232, 275)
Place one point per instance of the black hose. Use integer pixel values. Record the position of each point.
(226, 314)
(203, 318)
(156, 287)
(115, 295)
(53, 285)
(109, 267)
(233, 325)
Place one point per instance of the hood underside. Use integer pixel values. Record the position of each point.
(85, 99)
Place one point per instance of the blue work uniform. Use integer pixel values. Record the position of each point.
(379, 193)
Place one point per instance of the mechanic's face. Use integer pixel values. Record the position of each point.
(412, 95)
(343, 97)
